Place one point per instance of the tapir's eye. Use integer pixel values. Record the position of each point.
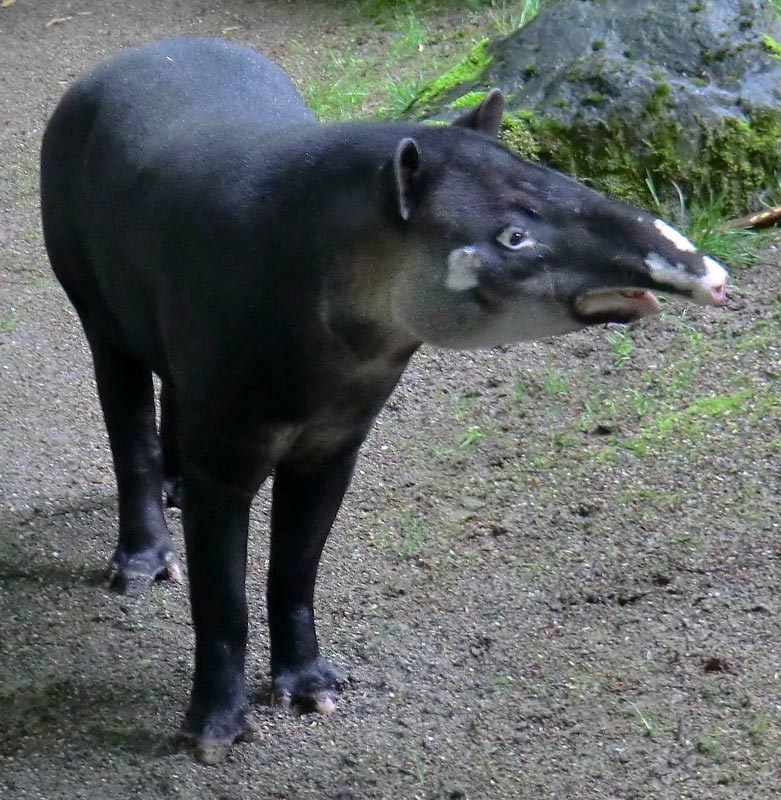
(513, 238)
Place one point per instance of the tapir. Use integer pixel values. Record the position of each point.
(277, 274)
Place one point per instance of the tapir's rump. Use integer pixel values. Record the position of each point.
(277, 275)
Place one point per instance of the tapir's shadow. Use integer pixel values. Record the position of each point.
(48, 525)
(61, 714)
(54, 574)
(54, 697)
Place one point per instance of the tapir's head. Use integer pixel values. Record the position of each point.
(502, 249)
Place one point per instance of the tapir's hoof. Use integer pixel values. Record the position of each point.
(211, 744)
(134, 574)
(314, 687)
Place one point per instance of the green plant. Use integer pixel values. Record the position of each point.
(412, 534)
(733, 246)
(341, 91)
(508, 17)
(519, 387)
(554, 381)
(587, 420)
(758, 729)
(347, 87)
(8, 322)
(708, 747)
(470, 436)
(648, 728)
(621, 346)
(772, 45)
(399, 93)
(469, 67)
(461, 406)
(641, 401)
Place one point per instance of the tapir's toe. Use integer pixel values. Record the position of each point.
(132, 574)
(211, 743)
(314, 687)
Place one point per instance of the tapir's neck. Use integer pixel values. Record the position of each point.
(344, 233)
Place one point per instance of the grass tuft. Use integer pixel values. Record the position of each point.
(508, 17)
(733, 246)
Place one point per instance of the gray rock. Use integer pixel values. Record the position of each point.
(615, 91)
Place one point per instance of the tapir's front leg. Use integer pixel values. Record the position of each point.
(306, 499)
(216, 518)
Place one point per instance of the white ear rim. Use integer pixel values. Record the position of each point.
(406, 169)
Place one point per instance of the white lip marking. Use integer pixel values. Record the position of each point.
(707, 289)
(462, 266)
(664, 272)
(673, 236)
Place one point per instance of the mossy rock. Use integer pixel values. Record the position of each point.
(627, 95)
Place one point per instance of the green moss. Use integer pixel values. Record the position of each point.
(469, 68)
(468, 99)
(714, 56)
(658, 100)
(739, 157)
(735, 158)
(730, 161)
(516, 135)
(593, 98)
(772, 46)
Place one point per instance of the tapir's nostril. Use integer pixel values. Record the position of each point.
(719, 293)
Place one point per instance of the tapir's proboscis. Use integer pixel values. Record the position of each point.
(277, 274)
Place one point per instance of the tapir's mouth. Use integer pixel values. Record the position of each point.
(624, 304)
(617, 304)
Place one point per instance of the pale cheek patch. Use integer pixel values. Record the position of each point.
(462, 267)
(674, 237)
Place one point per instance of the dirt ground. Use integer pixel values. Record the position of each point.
(555, 575)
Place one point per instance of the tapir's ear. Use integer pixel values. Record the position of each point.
(406, 173)
(486, 116)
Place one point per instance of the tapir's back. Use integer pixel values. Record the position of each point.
(170, 80)
(153, 99)
(136, 133)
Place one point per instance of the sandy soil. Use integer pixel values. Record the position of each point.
(555, 576)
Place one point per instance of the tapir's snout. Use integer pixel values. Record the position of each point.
(655, 257)
(713, 290)
(708, 288)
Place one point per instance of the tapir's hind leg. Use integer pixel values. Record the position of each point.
(144, 551)
(172, 469)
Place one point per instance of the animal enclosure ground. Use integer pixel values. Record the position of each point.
(555, 575)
